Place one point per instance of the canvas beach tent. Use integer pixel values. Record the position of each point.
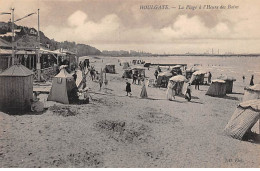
(125, 65)
(252, 92)
(217, 88)
(16, 85)
(198, 75)
(163, 78)
(127, 73)
(229, 82)
(243, 119)
(110, 68)
(62, 85)
(139, 70)
(179, 81)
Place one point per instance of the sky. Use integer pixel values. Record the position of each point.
(122, 25)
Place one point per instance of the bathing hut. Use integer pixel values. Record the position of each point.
(125, 65)
(139, 70)
(110, 68)
(229, 82)
(147, 65)
(127, 73)
(243, 119)
(62, 88)
(176, 70)
(179, 81)
(198, 75)
(163, 79)
(16, 85)
(252, 92)
(217, 88)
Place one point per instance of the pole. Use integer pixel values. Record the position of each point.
(12, 59)
(38, 66)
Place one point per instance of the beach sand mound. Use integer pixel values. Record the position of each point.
(83, 159)
(64, 111)
(107, 102)
(123, 132)
(153, 116)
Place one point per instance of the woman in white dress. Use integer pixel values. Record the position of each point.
(143, 91)
(170, 92)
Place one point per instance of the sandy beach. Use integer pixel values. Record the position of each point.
(116, 130)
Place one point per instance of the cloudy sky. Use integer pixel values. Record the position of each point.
(120, 24)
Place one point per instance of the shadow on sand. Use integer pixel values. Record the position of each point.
(23, 113)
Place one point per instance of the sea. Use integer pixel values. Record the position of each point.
(236, 67)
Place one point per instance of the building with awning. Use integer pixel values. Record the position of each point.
(5, 54)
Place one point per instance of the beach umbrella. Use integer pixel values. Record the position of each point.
(218, 81)
(199, 72)
(178, 78)
(177, 66)
(166, 74)
(226, 78)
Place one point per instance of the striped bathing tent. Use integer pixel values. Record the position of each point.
(217, 88)
(252, 92)
(243, 119)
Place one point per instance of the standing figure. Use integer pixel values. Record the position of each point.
(83, 82)
(197, 83)
(92, 73)
(170, 93)
(156, 74)
(100, 83)
(87, 63)
(188, 91)
(128, 88)
(84, 65)
(209, 77)
(134, 78)
(252, 80)
(75, 76)
(143, 91)
(139, 77)
(159, 69)
(243, 78)
(80, 66)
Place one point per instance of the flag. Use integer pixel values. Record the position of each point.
(25, 16)
(3, 13)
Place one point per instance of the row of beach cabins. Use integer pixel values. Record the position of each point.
(219, 87)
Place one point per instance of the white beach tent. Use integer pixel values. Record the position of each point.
(217, 88)
(252, 92)
(243, 119)
(179, 80)
(62, 85)
(199, 75)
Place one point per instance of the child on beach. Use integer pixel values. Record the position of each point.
(128, 88)
(188, 91)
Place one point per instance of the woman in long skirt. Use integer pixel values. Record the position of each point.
(143, 91)
(170, 92)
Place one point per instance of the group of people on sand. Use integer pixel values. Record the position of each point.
(84, 65)
(137, 77)
(143, 93)
(172, 90)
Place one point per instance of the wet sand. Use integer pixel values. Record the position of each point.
(115, 130)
